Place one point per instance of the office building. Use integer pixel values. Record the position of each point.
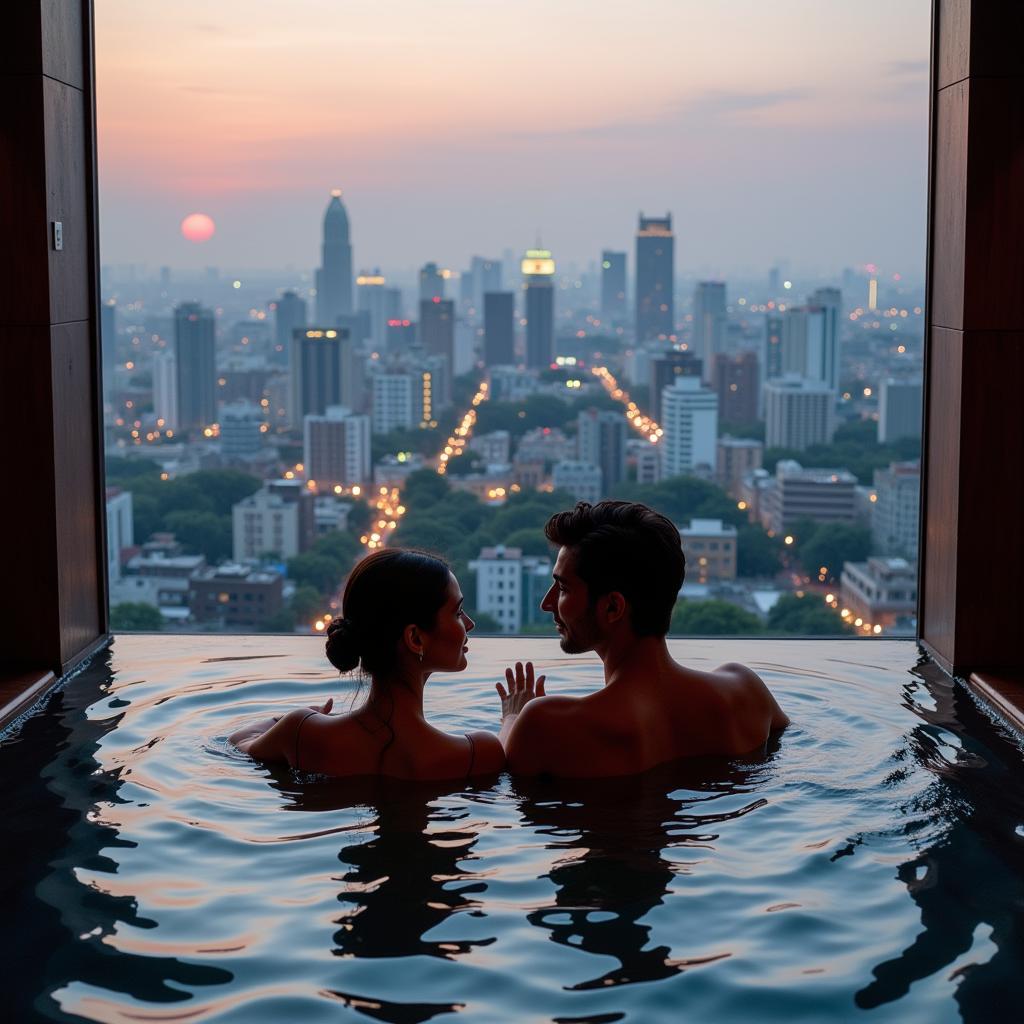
(664, 368)
(798, 413)
(278, 519)
(690, 422)
(195, 366)
(736, 381)
(495, 447)
(374, 298)
(509, 586)
(334, 277)
(235, 596)
(538, 276)
(108, 345)
(655, 278)
(484, 277)
(393, 406)
(401, 335)
(336, 448)
(899, 409)
(645, 459)
(823, 495)
(735, 458)
(158, 579)
(580, 479)
(709, 322)
(437, 328)
(499, 328)
(241, 429)
(895, 510)
(289, 315)
(810, 342)
(165, 390)
(879, 592)
(120, 530)
(601, 441)
(432, 280)
(613, 286)
(771, 361)
(709, 546)
(323, 372)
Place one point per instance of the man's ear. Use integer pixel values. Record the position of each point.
(615, 607)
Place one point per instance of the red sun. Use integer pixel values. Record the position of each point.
(198, 227)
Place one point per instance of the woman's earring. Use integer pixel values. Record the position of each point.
(421, 656)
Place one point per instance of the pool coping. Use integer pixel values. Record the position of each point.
(1003, 693)
(20, 691)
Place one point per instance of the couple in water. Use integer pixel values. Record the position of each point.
(618, 573)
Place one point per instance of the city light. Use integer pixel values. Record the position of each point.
(642, 424)
(456, 444)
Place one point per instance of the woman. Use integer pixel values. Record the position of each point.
(402, 620)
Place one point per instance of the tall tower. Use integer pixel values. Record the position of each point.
(538, 273)
(437, 329)
(655, 267)
(499, 329)
(289, 315)
(613, 286)
(322, 371)
(709, 323)
(334, 278)
(195, 365)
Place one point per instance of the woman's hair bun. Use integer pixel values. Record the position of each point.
(342, 644)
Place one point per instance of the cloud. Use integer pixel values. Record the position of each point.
(906, 68)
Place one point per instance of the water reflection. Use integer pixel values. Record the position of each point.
(967, 876)
(623, 846)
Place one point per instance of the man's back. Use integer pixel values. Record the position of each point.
(644, 720)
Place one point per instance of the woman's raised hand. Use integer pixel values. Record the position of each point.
(521, 689)
(325, 708)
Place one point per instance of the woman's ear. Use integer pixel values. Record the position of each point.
(413, 640)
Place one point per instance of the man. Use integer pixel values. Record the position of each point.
(616, 579)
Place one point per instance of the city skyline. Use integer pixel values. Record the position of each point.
(586, 125)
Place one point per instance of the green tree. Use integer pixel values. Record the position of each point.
(805, 616)
(713, 618)
(321, 572)
(224, 487)
(485, 624)
(423, 488)
(530, 541)
(757, 554)
(430, 534)
(832, 544)
(306, 604)
(281, 622)
(341, 545)
(134, 616)
(202, 533)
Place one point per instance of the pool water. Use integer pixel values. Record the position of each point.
(868, 866)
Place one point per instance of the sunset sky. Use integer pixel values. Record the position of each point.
(792, 129)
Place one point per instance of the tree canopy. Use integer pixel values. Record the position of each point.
(713, 618)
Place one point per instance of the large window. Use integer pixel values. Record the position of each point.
(383, 278)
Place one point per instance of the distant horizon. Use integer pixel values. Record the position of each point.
(792, 133)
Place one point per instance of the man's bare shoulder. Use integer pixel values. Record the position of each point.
(747, 689)
(538, 738)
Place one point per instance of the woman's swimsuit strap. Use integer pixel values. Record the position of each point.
(295, 760)
(472, 755)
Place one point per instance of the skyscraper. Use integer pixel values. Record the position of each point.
(372, 298)
(810, 343)
(336, 448)
(690, 422)
(772, 359)
(322, 371)
(334, 278)
(613, 286)
(899, 409)
(664, 368)
(601, 436)
(431, 282)
(486, 277)
(538, 273)
(108, 345)
(735, 380)
(655, 267)
(709, 319)
(798, 413)
(195, 366)
(289, 315)
(499, 328)
(437, 328)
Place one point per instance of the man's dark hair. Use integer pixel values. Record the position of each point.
(626, 547)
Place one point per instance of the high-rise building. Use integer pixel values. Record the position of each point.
(601, 437)
(823, 495)
(393, 406)
(289, 315)
(664, 368)
(323, 372)
(538, 273)
(690, 421)
(710, 549)
(895, 512)
(336, 448)
(581, 479)
(195, 366)
(810, 341)
(437, 328)
(241, 429)
(401, 335)
(485, 276)
(509, 586)
(279, 519)
(736, 381)
(709, 321)
(372, 298)
(736, 457)
(771, 361)
(108, 345)
(334, 277)
(499, 328)
(165, 390)
(431, 282)
(899, 409)
(655, 281)
(798, 413)
(613, 286)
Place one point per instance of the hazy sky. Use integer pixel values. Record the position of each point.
(793, 129)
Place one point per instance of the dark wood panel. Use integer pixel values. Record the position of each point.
(66, 169)
(29, 616)
(21, 45)
(938, 583)
(997, 27)
(990, 542)
(77, 503)
(24, 282)
(954, 22)
(948, 229)
(994, 255)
